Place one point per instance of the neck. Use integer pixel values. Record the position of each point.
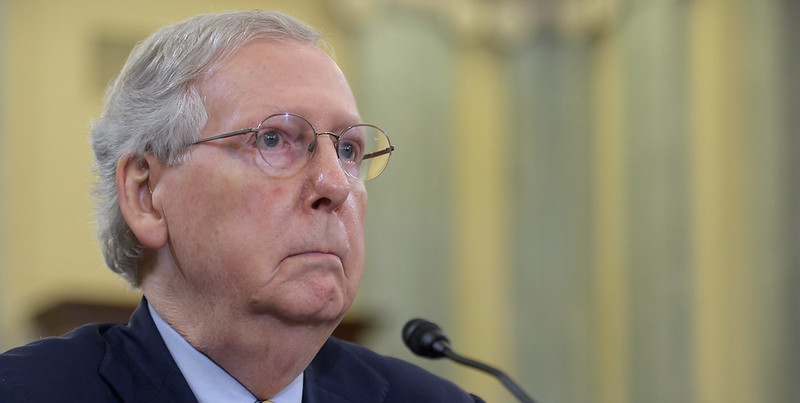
(261, 352)
(270, 361)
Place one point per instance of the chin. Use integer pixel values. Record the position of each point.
(328, 317)
(323, 310)
(307, 306)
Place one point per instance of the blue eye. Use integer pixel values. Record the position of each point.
(270, 139)
(348, 151)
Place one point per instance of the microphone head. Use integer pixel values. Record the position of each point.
(425, 338)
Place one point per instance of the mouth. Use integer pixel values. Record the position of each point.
(316, 254)
(318, 250)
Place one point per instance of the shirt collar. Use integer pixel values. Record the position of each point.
(208, 381)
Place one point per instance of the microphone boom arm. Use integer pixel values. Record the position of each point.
(505, 379)
(427, 339)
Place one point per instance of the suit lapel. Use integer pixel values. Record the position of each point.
(139, 367)
(137, 364)
(337, 376)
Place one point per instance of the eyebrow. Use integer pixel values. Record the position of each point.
(305, 111)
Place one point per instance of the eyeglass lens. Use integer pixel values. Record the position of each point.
(286, 142)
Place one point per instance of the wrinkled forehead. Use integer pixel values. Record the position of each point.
(268, 76)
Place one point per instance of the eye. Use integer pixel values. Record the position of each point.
(271, 139)
(349, 151)
(281, 144)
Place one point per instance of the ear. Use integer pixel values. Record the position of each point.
(136, 201)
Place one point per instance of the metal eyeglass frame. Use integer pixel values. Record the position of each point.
(313, 145)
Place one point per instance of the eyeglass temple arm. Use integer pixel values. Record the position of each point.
(222, 136)
(378, 153)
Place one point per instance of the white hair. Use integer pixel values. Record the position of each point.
(154, 106)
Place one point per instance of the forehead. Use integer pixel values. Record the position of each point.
(268, 76)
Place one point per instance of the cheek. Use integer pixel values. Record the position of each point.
(255, 216)
(354, 225)
(218, 215)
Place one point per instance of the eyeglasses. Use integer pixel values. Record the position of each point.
(287, 142)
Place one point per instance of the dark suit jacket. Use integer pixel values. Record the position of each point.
(131, 363)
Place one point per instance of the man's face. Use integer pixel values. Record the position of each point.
(250, 244)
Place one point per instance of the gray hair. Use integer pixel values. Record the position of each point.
(155, 106)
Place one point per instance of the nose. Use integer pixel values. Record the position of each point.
(330, 184)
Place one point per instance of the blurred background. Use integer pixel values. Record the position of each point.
(598, 196)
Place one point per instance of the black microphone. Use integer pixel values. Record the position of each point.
(426, 339)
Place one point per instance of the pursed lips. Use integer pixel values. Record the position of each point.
(314, 253)
(326, 248)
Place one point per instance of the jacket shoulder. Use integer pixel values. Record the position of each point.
(52, 364)
(403, 381)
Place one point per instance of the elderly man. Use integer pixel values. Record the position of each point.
(231, 160)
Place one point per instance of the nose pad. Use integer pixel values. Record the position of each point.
(313, 146)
